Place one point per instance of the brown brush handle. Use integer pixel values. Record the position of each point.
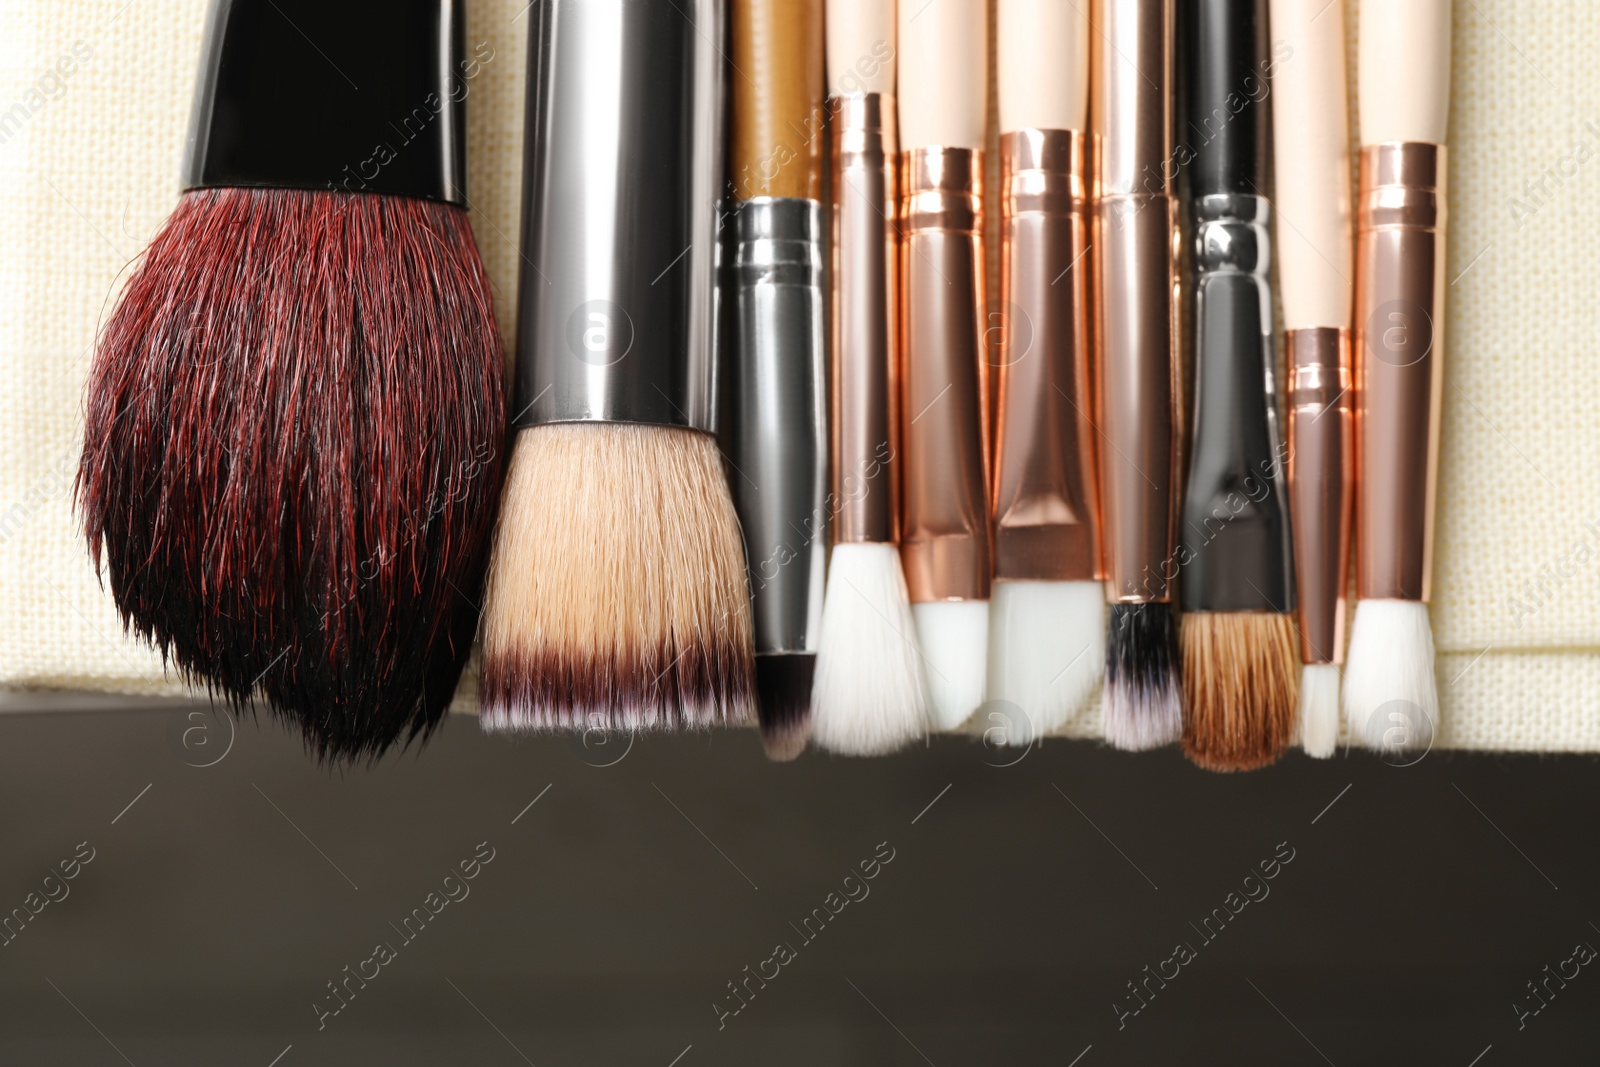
(776, 146)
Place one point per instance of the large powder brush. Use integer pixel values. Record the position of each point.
(293, 438)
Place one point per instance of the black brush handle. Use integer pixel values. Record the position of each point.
(1227, 117)
(364, 96)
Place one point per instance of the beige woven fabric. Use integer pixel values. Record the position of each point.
(90, 169)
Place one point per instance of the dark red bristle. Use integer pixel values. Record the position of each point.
(293, 454)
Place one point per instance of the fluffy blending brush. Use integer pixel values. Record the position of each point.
(617, 594)
(871, 691)
(294, 418)
(1390, 698)
(1311, 157)
(944, 513)
(1047, 632)
(1240, 663)
(776, 417)
(1137, 365)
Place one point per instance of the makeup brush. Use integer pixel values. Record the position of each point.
(1134, 238)
(945, 522)
(617, 594)
(292, 448)
(776, 418)
(871, 693)
(1390, 698)
(1311, 157)
(1047, 635)
(1241, 670)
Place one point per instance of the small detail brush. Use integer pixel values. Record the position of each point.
(773, 360)
(1391, 698)
(617, 594)
(1312, 162)
(1241, 668)
(943, 61)
(1135, 232)
(871, 692)
(293, 442)
(1047, 633)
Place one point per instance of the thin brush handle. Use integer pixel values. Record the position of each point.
(623, 163)
(1134, 232)
(1315, 265)
(776, 135)
(1399, 321)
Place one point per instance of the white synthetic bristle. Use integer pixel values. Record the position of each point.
(1319, 709)
(870, 696)
(1391, 700)
(1047, 651)
(955, 642)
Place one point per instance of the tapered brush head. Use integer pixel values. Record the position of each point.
(1047, 651)
(1241, 676)
(954, 635)
(1143, 696)
(783, 689)
(292, 455)
(617, 594)
(1319, 709)
(871, 694)
(1391, 701)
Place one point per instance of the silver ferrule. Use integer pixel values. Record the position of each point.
(775, 412)
(623, 163)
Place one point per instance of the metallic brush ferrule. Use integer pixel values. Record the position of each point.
(775, 413)
(866, 382)
(1237, 549)
(1320, 485)
(622, 170)
(1047, 481)
(944, 517)
(1399, 363)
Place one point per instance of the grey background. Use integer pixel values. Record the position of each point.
(1019, 902)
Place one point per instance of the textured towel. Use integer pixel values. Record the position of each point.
(94, 103)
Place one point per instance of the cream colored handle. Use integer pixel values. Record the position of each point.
(1042, 56)
(1405, 70)
(1312, 157)
(943, 73)
(861, 47)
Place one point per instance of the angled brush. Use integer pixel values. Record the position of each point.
(871, 690)
(1047, 634)
(294, 426)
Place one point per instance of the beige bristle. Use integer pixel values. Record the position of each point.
(1241, 682)
(617, 595)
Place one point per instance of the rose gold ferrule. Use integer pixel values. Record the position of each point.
(1047, 481)
(866, 382)
(1131, 46)
(1321, 472)
(944, 514)
(1399, 364)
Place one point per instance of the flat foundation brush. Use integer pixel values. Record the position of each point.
(1135, 230)
(943, 59)
(871, 691)
(1240, 663)
(292, 450)
(1312, 163)
(1047, 635)
(1391, 698)
(617, 592)
(776, 414)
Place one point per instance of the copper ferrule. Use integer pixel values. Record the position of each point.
(866, 382)
(1046, 475)
(1320, 484)
(1399, 364)
(1131, 106)
(944, 503)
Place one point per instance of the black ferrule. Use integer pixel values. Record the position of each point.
(1227, 118)
(364, 96)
